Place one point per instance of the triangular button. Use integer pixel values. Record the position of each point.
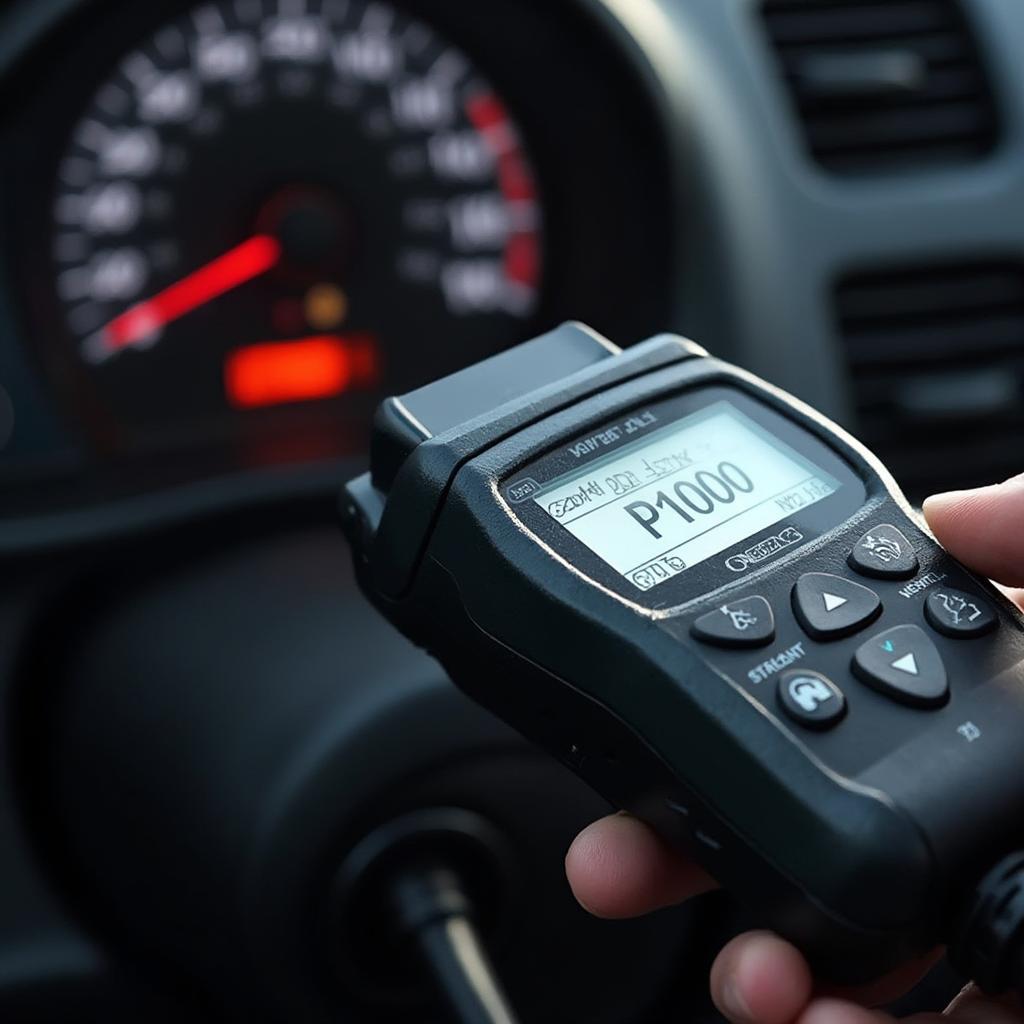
(908, 664)
(829, 607)
(903, 663)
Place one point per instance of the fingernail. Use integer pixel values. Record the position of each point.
(734, 1004)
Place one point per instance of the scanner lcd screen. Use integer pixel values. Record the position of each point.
(684, 493)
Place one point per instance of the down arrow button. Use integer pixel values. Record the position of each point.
(905, 665)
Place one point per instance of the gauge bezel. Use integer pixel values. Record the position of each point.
(630, 295)
(129, 399)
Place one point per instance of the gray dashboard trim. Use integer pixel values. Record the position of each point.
(786, 229)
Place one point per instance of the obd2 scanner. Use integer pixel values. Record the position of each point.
(716, 607)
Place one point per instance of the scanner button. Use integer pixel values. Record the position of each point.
(883, 552)
(829, 607)
(748, 622)
(904, 664)
(811, 699)
(958, 614)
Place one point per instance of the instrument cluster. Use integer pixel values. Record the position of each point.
(231, 227)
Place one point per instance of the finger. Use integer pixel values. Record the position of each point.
(983, 1011)
(838, 1011)
(972, 1006)
(1014, 594)
(889, 988)
(618, 868)
(760, 979)
(981, 528)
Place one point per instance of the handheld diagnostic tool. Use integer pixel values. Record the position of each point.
(717, 607)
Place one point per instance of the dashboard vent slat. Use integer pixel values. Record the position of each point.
(936, 358)
(884, 85)
(802, 22)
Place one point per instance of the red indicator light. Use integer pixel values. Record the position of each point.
(277, 373)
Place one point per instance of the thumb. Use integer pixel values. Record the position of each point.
(984, 529)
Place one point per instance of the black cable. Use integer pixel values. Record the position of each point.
(989, 944)
(435, 912)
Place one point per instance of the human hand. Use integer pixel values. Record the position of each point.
(619, 868)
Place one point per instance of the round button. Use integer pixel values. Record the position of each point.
(811, 699)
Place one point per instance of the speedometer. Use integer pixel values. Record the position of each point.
(278, 202)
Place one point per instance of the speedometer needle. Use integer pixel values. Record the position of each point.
(253, 257)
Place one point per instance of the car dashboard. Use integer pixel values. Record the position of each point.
(229, 228)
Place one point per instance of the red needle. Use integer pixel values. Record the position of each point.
(250, 259)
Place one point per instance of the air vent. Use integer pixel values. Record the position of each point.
(937, 363)
(884, 84)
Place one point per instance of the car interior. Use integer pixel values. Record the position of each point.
(228, 230)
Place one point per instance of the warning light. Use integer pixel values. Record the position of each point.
(326, 307)
(304, 370)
